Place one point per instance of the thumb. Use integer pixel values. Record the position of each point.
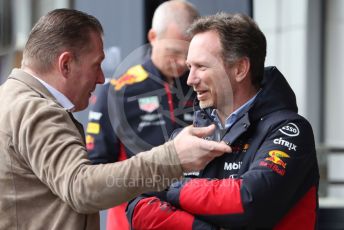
(202, 131)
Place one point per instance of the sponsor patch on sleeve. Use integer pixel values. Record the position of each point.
(133, 75)
(89, 142)
(94, 115)
(285, 143)
(276, 161)
(93, 128)
(290, 130)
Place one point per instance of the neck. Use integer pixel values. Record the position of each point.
(49, 78)
(239, 99)
(222, 116)
(169, 80)
(31, 71)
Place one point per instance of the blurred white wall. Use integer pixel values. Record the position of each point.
(305, 41)
(284, 24)
(334, 73)
(334, 106)
(293, 29)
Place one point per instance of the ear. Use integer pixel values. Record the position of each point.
(152, 36)
(242, 68)
(64, 63)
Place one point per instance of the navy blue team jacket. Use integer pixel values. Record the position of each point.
(136, 112)
(269, 181)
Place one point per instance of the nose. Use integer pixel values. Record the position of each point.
(101, 78)
(192, 78)
(181, 62)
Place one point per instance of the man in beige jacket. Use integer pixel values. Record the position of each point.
(46, 180)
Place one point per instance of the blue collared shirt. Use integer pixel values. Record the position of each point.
(60, 98)
(232, 118)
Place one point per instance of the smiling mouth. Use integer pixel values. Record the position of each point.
(201, 94)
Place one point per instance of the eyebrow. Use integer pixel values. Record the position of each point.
(175, 50)
(197, 62)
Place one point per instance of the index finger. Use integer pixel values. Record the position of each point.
(215, 146)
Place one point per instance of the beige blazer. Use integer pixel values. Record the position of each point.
(46, 180)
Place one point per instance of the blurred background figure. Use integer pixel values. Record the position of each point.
(141, 106)
(112, 59)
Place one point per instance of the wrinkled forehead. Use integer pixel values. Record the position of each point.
(205, 47)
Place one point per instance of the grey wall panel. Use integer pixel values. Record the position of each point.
(207, 7)
(315, 68)
(123, 25)
(6, 26)
(122, 21)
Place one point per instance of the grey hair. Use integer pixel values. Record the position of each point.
(180, 12)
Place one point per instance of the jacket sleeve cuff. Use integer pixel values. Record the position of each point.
(173, 194)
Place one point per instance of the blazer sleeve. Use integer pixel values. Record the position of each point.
(55, 152)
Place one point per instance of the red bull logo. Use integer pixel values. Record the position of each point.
(275, 157)
(274, 167)
(133, 75)
(89, 142)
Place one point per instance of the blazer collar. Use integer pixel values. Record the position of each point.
(30, 81)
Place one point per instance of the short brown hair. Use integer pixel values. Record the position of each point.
(60, 29)
(239, 36)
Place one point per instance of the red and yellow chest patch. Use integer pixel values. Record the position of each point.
(276, 157)
(134, 75)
